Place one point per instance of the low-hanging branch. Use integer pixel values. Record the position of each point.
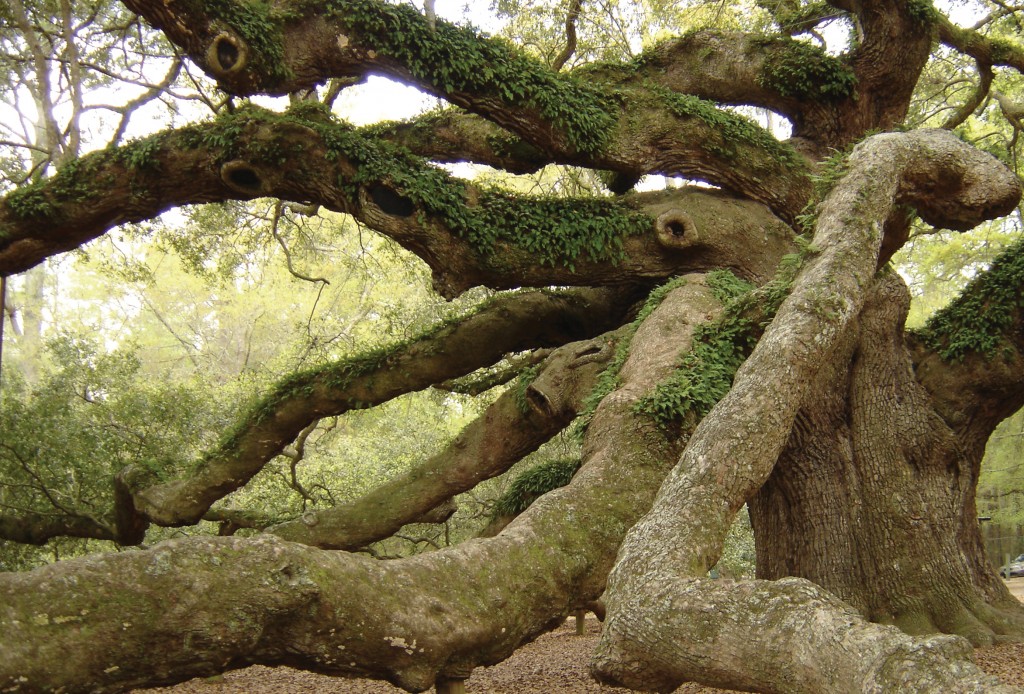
(507, 323)
(323, 604)
(34, 528)
(516, 424)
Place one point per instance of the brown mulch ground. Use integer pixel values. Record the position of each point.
(555, 662)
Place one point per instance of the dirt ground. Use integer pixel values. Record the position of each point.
(555, 662)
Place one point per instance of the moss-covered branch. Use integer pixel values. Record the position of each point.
(406, 621)
(508, 430)
(986, 50)
(574, 119)
(506, 324)
(970, 355)
(469, 235)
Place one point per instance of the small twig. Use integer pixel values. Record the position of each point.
(278, 210)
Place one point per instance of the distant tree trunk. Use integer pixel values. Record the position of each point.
(30, 304)
(873, 497)
(3, 320)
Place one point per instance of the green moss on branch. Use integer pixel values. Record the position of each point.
(802, 71)
(461, 60)
(978, 320)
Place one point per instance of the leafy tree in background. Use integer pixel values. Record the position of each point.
(737, 342)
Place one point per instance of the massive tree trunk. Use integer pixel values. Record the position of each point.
(873, 497)
(839, 310)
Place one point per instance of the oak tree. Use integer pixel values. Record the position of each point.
(738, 339)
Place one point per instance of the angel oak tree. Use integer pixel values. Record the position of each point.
(856, 443)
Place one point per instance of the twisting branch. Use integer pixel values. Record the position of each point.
(570, 35)
(985, 77)
(516, 424)
(505, 324)
(274, 222)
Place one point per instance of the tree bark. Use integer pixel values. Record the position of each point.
(873, 498)
(734, 449)
(487, 447)
(819, 645)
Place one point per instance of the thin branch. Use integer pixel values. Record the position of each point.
(986, 76)
(278, 210)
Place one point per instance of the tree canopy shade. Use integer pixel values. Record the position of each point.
(735, 339)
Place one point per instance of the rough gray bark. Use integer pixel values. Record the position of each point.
(906, 552)
(736, 446)
(819, 645)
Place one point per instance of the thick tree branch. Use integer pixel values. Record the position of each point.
(984, 49)
(468, 235)
(326, 606)
(576, 119)
(808, 625)
(970, 356)
(506, 324)
(38, 528)
(487, 447)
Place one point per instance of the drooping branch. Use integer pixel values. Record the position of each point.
(507, 324)
(516, 424)
(406, 621)
(735, 447)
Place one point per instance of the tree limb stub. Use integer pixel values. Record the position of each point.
(507, 324)
(735, 447)
(487, 447)
(319, 610)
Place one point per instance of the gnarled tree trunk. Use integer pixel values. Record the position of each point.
(873, 497)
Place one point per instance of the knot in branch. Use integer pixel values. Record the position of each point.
(241, 177)
(227, 54)
(676, 229)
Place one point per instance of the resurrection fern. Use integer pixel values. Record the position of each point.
(704, 374)
(533, 483)
(978, 320)
(608, 379)
(522, 384)
(460, 59)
